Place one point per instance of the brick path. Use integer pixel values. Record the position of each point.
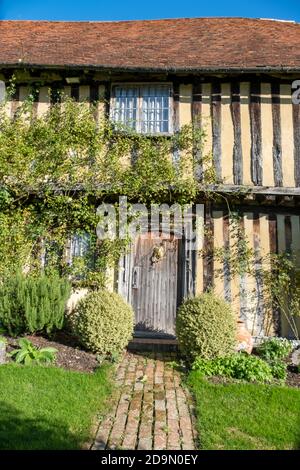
(152, 409)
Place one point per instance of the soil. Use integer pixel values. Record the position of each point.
(69, 356)
(293, 379)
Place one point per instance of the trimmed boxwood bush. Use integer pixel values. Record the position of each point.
(103, 322)
(205, 327)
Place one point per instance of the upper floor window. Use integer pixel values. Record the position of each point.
(144, 108)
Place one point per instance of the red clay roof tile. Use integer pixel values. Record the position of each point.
(174, 44)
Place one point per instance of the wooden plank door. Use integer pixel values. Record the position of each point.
(153, 284)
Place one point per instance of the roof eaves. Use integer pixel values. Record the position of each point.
(108, 68)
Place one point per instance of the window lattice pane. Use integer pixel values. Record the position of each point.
(79, 245)
(125, 109)
(145, 108)
(155, 109)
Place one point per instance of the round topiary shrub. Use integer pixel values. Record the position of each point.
(205, 327)
(103, 322)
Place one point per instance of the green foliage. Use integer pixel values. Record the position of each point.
(237, 366)
(29, 354)
(3, 340)
(69, 160)
(103, 322)
(276, 276)
(281, 287)
(67, 148)
(30, 304)
(274, 349)
(279, 370)
(205, 327)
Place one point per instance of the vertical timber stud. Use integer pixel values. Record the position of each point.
(75, 92)
(176, 101)
(55, 95)
(288, 234)
(35, 93)
(216, 128)
(256, 141)
(226, 231)
(237, 146)
(15, 101)
(274, 250)
(258, 326)
(94, 93)
(296, 126)
(196, 118)
(106, 99)
(94, 98)
(277, 150)
(208, 262)
(243, 279)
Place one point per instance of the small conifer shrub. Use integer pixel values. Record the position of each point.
(30, 304)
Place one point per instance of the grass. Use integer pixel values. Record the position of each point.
(246, 416)
(49, 408)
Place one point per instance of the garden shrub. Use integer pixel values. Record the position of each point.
(274, 349)
(103, 322)
(205, 327)
(279, 370)
(237, 366)
(30, 304)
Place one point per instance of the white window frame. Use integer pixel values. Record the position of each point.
(140, 105)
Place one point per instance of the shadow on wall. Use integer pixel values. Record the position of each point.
(18, 432)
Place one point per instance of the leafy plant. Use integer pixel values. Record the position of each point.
(30, 304)
(103, 322)
(205, 327)
(237, 366)
(276, 276)
(28, 353)
(66, 148)
(279, 370)
(274, 349)
(281, 287)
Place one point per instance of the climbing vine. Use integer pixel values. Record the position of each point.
(275, 276)
(56, 167)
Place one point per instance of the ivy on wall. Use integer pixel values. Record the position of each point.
(56, 167)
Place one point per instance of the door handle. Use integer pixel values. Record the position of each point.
(136, 277)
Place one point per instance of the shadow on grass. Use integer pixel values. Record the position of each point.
(18, 432)
(297, 443)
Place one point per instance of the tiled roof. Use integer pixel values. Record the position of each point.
(174, 44)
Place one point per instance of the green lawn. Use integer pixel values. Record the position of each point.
(246, 416)
(49, 408)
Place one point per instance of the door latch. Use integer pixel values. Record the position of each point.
(136, 277)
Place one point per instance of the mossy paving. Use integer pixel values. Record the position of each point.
(152, 409)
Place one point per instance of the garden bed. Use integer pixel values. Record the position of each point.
(69, 356)
(293, 378)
